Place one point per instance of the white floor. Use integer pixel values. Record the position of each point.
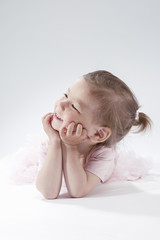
(115, 210)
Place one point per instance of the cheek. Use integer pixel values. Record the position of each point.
(68, 117)
(72, 117)
(88, 128)
(88, 125)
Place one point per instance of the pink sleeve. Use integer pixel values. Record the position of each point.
(101, 163)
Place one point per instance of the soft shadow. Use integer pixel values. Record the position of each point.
(119, 197)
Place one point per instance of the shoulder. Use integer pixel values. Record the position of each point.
(101, 162)
(101, 153)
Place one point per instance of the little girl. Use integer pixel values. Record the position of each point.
(97, 111)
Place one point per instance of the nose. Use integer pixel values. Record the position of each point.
(63, 104)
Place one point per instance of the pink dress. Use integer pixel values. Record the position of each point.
(106, 163)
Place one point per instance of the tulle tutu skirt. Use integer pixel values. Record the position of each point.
(23, 165)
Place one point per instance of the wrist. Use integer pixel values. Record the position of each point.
(70, 147)
(69, 151)
(55, 142)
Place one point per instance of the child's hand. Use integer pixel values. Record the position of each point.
(71, 137)
(50, 131)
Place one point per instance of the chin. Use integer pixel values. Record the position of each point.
(55, 126)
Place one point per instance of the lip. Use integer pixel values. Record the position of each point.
(57, 117)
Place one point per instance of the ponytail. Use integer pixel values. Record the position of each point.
(143, 122)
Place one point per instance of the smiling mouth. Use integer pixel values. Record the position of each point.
(57, 117)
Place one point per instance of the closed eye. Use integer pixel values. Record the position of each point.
(65, 94)
(74, 107)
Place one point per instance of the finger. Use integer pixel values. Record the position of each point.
(84, 134)
(47, 123)
(79, 130)
(70, 129)
(62, 132)
(44, 117)
(47, 116)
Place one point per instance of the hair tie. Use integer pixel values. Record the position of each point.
(137, 115)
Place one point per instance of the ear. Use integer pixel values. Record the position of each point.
(101, 135)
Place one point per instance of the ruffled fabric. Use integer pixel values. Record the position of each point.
(25, 163)
(130, 166)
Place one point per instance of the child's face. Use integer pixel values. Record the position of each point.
(78, 106)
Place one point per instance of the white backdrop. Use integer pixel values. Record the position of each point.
(46, 44)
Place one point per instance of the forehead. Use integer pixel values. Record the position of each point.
(81, 91)
(80, 88)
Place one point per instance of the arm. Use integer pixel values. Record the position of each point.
(49, 178)
(78, 181)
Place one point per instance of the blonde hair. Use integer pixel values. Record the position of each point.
(118, 106)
